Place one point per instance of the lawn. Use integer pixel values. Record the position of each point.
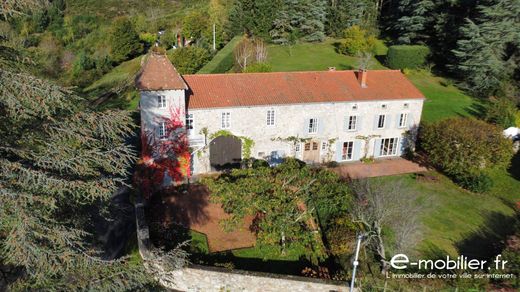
(458, 221)
(443, 100)
(222, 62)
(313, 57)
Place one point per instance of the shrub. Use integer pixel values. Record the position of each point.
(188, 60)
(502, 112)
(258, 67)
(258, 163)
(148, 38)
(357, 40)
(465, 146)
(405, 56)
(341, 236)
(478, 183)
(332, 164)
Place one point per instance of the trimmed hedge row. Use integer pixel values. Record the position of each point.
(407, 56)
(223, 61)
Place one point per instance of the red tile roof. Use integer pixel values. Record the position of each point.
(253, 89)
(158, 73)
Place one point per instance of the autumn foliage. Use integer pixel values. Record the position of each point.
(161, 157)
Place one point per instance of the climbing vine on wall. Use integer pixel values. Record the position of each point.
(163, 156)
(247, 143)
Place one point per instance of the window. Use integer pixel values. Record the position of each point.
(384, 106)
(348, 149)
(381, 122)
(313, 126)
(314, 146)
(406, 105)
(270, 118)
(351, 123)
(226, 120)
(189, 122)
(354, 107)
(162, 130)
(388, 147)
(403, 118)
(324, 146)
(161, 101)
(297, 148)
(307, 146)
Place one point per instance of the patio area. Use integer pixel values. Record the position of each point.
(383, 167)
(195, 211)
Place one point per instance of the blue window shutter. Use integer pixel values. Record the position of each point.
(305, 127)
(359, 124)
(397, 120)
(410, 120)
(339, 148)
(321, 125)
(357, 150)
(388, 121)
(377, 147)
(375, 122)
(345, 123)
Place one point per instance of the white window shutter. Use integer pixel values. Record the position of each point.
(359, 123)
(388, 121)
(339, 150)
(357, 150)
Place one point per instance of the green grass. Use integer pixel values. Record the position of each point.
(442, 101)
(313, 57)
(455, 220)
(222, 62)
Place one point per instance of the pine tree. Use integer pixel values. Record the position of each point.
(485, 52)
(415, 25)
(342, 14)
(305, 17)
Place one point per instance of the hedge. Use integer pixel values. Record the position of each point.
(405, 56)
(223, 61)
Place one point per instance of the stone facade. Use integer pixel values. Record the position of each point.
(270, 141)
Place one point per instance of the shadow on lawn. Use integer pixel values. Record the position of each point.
(514, 169)
(489, 240)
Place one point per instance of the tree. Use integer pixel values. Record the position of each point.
(357, 41)
(254, 18)
(196, 26)
(60, 163)
(248, 52)
(342, 14)
(485, 52)
(188, 60)
(378, 207)
(306, 16)
(415, 25)
(465, 146)
(125, 40)
(283, 200)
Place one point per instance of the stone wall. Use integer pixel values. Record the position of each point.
(207, 279)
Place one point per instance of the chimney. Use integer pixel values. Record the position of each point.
(362, 77)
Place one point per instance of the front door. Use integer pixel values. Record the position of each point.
(311, 151)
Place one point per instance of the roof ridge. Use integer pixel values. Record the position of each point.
(285, 72)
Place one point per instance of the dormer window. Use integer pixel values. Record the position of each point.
(161, 101)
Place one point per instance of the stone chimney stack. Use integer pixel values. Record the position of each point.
(362, 77)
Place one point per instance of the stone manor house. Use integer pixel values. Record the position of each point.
(314, 116)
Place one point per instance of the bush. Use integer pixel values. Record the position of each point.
(188, 60)
(258, 67)
(464, 145)
(332, 164)
(357, 40)
(341, 236)
(148, 38)
(502, 112)
(404, 56)
(478, 183)
(258, 163)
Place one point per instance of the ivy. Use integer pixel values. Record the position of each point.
(247, 143)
